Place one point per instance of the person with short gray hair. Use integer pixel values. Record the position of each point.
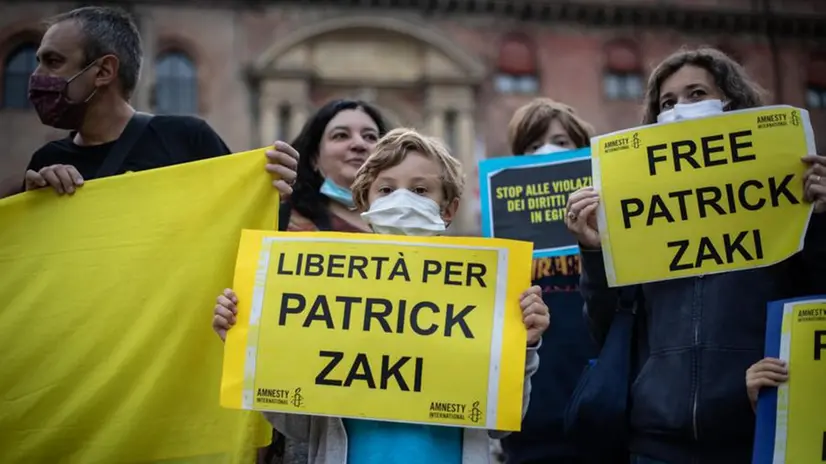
(109, 31)
(89, 65)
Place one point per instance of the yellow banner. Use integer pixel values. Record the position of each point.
(702, 196)
(801, 410)
(425, 330)
(108, 353)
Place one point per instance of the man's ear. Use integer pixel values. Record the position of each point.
(449, 212)
(108, 72)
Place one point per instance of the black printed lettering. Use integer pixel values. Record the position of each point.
(287, 308)
(319, 312)
(653, 159)
(335, 358)
(360, 370)
(744, 199)
(400, 317)
(743, 246)
(820, 343)
(348, 308)
(658, 210)
(706, 201)
(336, 262)
(676, 262)
(379, 260)
(431, 268)
(707, 252)
(684, 150)
(631, 207)
(357, 264)
(736, 146)
(453, 269)
(476, 271)
(314, 265)
(708, 150)
(379, 315)
(414, 318)
(458, 319)
(681, 195)
(732, 206)
(281, 270)
(703, 201)
(783, 189)
(394, 371)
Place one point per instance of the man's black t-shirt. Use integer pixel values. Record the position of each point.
(167, 140)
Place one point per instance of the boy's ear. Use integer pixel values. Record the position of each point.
(450, 211)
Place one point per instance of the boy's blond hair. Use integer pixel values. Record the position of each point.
(392, 149)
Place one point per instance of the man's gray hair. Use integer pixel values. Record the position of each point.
(109, 31)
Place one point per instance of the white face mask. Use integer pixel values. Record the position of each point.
(695, 110)
(547, 149)
(405, 213)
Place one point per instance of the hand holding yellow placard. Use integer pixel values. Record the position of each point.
(384, 327)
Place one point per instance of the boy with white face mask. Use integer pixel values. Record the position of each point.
(410, 185)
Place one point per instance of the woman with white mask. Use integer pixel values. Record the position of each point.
(689, 403)
(545, 126)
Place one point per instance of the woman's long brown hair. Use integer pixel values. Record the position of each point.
(739, 90)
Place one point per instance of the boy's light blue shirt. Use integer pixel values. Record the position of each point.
(376, 442)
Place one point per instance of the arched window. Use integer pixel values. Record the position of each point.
(18, 66)
(516, 70)
(176, 84)
(622, 76)
(816, 85)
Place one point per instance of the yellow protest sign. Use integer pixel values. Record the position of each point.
(702, 196)
(411, 329)
(108, 353)
(791, 421)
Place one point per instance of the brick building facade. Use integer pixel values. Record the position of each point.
(453, 68)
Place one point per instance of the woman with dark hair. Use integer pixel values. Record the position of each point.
(540, 127)
(333, 144)
(689, 402)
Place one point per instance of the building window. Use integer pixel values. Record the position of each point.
(816, 97)
(622, 86)
(176, 84)
(19, 65)
(622, 77)
(816, 87)
(516, 70)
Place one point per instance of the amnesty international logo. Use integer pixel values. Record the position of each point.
(297, 399)
(475, 413)
(635, 140)
(795, 118)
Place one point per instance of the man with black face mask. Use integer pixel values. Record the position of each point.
(89, 63)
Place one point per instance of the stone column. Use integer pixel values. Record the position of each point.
(268, 122)
(466, 126)
(459, 98)
(276, 92)
(142, 97)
